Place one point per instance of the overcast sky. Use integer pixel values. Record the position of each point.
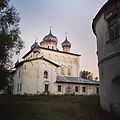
(72, 16)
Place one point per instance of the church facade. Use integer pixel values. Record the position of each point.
(47, 70)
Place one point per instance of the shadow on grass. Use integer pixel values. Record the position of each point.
(53, 108)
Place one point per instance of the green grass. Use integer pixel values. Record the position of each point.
(53, 108)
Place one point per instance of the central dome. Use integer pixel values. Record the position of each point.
(50, 37)
(49, 41)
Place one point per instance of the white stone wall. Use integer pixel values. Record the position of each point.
(18, 79)
(64, 60)
(89, 89)
(33, 77)
(33, 82)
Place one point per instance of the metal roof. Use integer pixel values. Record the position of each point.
(75, 80)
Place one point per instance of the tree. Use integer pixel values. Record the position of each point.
(10, 41)
(86, 75)
(96, 78)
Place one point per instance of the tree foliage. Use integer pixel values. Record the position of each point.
(10, 40)
(86, 75)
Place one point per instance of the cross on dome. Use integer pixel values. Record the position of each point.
(50, 28)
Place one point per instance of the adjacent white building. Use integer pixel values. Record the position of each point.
(47, 70)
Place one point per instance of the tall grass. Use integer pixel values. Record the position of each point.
(53, 108)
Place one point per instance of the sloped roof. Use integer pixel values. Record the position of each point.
(51, 50)
(20, 63)
(75, 80)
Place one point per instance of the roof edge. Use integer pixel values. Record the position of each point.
(22, 62)
(51, 50)
(100, 12)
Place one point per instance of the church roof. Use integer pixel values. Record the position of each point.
(21, 63)
(50, 37)
(75, 80)
(66, 43)
(51, 50)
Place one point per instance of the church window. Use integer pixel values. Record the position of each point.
(62, 70)
(114, 27)
(59, 88)
(20, 86)
(46, 87)
(76, 88)
(52, 47)
(83, 89)
(97, 90)
(25, 67)
(45, 74)
(48, 47)
(19, 74)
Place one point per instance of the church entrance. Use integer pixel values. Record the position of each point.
(116, 94)
(46, 88)
(68, 90)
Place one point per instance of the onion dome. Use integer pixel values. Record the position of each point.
(66, 43)
(35, 47)
(50, 37)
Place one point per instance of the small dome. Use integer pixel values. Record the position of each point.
(66, 43)
(35, 47)
(50, 37)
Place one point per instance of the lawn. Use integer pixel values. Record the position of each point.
(53, 108)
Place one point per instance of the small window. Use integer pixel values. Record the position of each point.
(59, 88)
(46, 74)
(62, 70)
(76, 88)
(52, 47)
(20, 86)
(83, 89)
(46, 87)
(19, 74)
(25, 67)
(113, 27)
(97, 90)
(48, 47)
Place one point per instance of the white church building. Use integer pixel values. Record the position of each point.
(47, 70)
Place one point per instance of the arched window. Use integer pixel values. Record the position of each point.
(25, 67)
(62, 70)
(45, 74)
(19, 74)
